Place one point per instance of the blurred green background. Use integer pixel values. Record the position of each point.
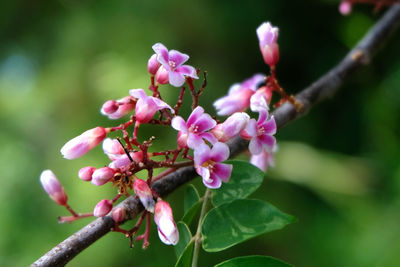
(337, 170)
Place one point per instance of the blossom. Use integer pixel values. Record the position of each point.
(231, 127)
(260, 133)
(153, 64)
(265, 159)
(172, 62)
(238, 98)
(115, 109)
(163, 217)
(102, 175)
(118, 214)
(86, 173)
(112, 148)
(147, 106)
(192, 132)
(144, 193)
(123, 162)
(208, 166)
(261, 98)
(81, 144)
(53, 187)
(102, 208)
(268, 36)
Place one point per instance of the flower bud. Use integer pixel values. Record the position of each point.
(259, 101)
(112, 146)
(118, 214)
(167, 230)
(109, 107)
(144, 193)
(153, 65)
(102, 175)
(53, 187)
(345, 8)
(86, 173)
(81, 144)
(102, 208)
(267, 36)
(162, 76)
(231, 127)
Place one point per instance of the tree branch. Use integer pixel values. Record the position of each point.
(323, 88)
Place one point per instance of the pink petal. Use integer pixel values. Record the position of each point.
(223, 171)
(201, 154)
(194, 141)
(161, 104)
(205, 122)
(251, 128)
(162, 53)
(215, 183)
(176, 79)
(259, 161)
(269, 126)
(219, 152)
(209, 137)
(253, 82)
(137, 93)
(178, 57)
(187, 71)
(262, 117)
(179, 124)
(267, 140)
(255, 146)
(196, 113)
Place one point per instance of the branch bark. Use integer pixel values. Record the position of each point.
(323, 88)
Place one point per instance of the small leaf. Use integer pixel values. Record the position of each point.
(237, 221)
(185, 260)
(245, 179)
(256, 260)
(191, 197)
(184, 238)
(189, 215)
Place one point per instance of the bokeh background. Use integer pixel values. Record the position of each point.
(337, 170)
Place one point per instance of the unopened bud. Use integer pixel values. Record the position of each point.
(53, 187)
(167, 230)
(112, 146)
(153, 65)
(102, 175)
(86, 173)
(118, 214)
(162, 76)
(81, 144)
(231, 127)
(102, 208)
(267, 36)
(109, 107)
(144, 193)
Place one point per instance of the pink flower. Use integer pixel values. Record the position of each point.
(172, 62)
(147, 106)
(123, 162)
(144, 193)
(260, 133)
(102, 175)
(345, 7)
(86, 173)
(261, 98)
(265, 159)
(163, 217)
(102, 208)
(192, 132)
(112, 148)
(268, 36)
(207, 164)
(238, 98)
(53, 187)
(81, 144)
(117, 109)
(153, 64)
(231, 127)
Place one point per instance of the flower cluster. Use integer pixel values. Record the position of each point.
(201, 138)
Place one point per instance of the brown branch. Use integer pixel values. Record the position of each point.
(320, 90)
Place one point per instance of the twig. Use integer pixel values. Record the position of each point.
(320, 90)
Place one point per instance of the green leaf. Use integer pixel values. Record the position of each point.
(184, 238)
(185, 260)
(189, 215)
(191, 197)
(245, 179)
(253, 261)
(237, 221)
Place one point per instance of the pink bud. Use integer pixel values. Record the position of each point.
(81, 144)
(231, 127)
(86, 173)
(109, 107)
(267, 36)
(112, 146)
(53, 187)
(118, 214)
(144, 193)
(153, 65)
(345, 8)
(167, 230)
(102, 175)
(102, 208)
(162, 76)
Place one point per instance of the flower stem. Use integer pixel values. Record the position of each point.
(198, 238)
